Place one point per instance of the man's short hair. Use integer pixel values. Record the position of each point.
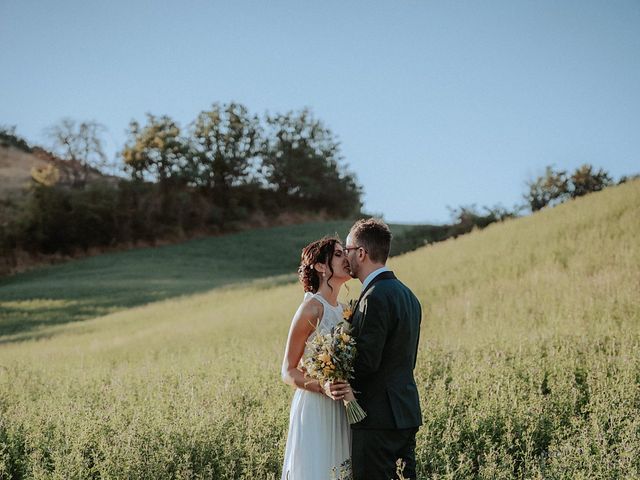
(374, 236)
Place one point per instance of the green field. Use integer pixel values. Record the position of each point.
(33, 301)
(529, 363)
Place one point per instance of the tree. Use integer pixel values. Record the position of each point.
(156, 151)
(8, 137)
(79, 143)
(628, 178)
(585, 180)
(302, 162)
(466, 217)
(226, 140)
(550, 188)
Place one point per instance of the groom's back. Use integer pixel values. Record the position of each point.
(409, 315)
(401, 348)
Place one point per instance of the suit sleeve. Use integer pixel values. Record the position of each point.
(371, 337)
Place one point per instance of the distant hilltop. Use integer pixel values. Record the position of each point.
(18, 166)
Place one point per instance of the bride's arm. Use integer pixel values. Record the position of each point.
(303, 324)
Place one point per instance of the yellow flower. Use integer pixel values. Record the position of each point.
(346, 314)
(345, 337)
(324, 358)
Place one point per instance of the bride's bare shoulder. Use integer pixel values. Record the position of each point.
(311, 307)
(309, 313)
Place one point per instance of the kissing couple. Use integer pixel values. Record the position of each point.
(321, 444)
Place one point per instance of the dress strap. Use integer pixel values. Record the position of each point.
(317, 297)
(309, 295)
(321, 299)
(325, 302)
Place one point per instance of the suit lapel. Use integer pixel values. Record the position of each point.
(388, 275)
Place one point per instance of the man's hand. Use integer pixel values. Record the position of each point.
(337, 390)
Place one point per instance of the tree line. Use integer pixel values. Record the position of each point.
(225, 169)
(226, 149)
(557, 186)
(545, 191)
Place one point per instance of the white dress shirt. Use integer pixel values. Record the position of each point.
(373, 275)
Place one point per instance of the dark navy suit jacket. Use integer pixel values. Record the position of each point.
(386, 327)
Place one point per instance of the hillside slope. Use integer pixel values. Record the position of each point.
(106, 283)
(573, 269)
(528, 366)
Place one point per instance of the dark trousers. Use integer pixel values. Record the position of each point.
(374, 453)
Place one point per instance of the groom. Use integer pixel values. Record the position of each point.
(386, 326)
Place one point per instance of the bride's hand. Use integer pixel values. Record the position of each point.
(349, 396)
(339, 391)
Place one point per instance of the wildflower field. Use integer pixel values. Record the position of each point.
(529, 364)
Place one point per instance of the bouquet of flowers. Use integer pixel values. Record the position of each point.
(331, 359)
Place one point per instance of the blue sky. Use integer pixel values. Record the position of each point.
(435, 103)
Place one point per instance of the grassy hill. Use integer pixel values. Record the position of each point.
(529, 365)
(106, 283)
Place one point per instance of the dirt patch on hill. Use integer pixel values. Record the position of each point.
(15, 170)
(16, 166)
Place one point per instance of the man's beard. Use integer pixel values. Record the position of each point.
(353, 272)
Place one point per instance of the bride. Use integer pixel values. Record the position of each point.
(319, 439)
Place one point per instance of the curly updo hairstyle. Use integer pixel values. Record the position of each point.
(320, 251)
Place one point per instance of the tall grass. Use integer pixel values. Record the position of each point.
(529, 366)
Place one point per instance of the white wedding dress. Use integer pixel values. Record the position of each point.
(319, 438)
